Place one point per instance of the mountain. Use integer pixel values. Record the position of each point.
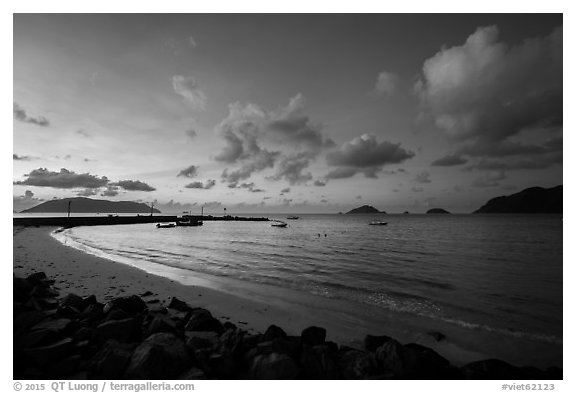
(437, 211)
(87, 205)
(365, 210)
(530, 200)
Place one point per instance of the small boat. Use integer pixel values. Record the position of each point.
(292, 217)
(377, 223)
(189, 223)
(279, 224)
(165, 225)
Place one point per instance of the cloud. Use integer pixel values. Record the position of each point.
(25, 201)
(319, 183)
(87, 192)
(366, 155)
(285, 190)
(490, 179)
(16, 157)
(133, 185)
(191, 133)
(187, 87)
(417, 189)
(422, 177)
(192, 42)
(199, 185)
(190, 172)
(541, 162)
(21, 115)
(291, 169)
(387, 83)
(358, 196)
(256, 139)
(66, 179)
(110, 191)
(449, 160)
(84, 133)
(486, 93)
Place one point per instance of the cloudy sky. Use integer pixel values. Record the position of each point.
(286, 113)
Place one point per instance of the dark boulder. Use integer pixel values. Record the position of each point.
(71, 300)
(44, 355)
(193, 374)
(122, 330)
(161, 324)
(371, 343)
(160, 356)
(355, 364)
(491, 369)
(131, 304)
(274, 366)
(179, 305)
(273, 332)
(389, 359)
(424, 363)
(319, 362)
(313, 335)
(202, 320)
(201, 340)
(110, 362)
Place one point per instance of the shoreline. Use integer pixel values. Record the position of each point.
(83, 274)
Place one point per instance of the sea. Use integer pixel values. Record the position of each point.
(498, 277)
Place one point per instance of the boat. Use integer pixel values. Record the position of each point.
(279, 224)
(165, 225)
(377, 223)
(292, 217)
(189, 223)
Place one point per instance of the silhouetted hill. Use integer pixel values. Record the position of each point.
(437, 211)
(365, 210)
(530, 200)
(87, 205)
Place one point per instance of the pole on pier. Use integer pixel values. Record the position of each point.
(69, 203)
(152, 209)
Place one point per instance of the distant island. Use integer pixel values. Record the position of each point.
(87, 205)
(437, 211)
(366, 209)
(530, 200)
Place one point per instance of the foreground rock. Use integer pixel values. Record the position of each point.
(79, 338)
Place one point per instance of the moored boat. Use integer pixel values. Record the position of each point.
(377, 223)
(165, 225)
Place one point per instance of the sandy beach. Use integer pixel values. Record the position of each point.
(84, 274)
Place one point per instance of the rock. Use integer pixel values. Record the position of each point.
(66, 367)
(147, 293)
(231, 341)
(37, 338)
(222, 366)
(274, 366)
(26, 320)
(437, 211)
(424, 363)
(202, 320)
(86, 302)
(200, 340)
(160, 356)
(37, 278)
(21, 289)
(313, 335)
(92, 313)
(117, 314)
(110, 362)
(71, 300)
(68, 312)
(371, 343)
(289, 345)
(122, 330)
(179, 305)
(193, 374)
(491, 369)
(273, 332)
(59, 325)
(437, 336)
(319, 362)
(161, 324)
(356, 364)
(390, 359)
(131, 304)
(42, 356)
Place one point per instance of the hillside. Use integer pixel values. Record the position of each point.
(87, 205)
(366, 209)
(437, 211)
(530, 200)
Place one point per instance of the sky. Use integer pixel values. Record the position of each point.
(286, 113)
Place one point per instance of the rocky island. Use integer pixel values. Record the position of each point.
(88, 205)
(530, 200)
(437, 211)
(366, 209)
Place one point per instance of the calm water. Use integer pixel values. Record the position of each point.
(488, 272)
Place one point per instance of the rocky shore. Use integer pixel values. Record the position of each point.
(136, 337)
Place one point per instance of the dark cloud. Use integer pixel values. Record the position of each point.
(16, 157)
(285, 190)
(540, 162)
(21, 115)
(133, 185)
(319, 183)
(25, 201)
(291, 169)
(417, 189)
(486, 93)
(450, 160)
(199, 185)
(42, 177)
(489, 179)
(187, 87)
(422, 177)
(110, 191)
(366, 155)
(189, 172)
(84, 133)
(358, 196)
(262, 160)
